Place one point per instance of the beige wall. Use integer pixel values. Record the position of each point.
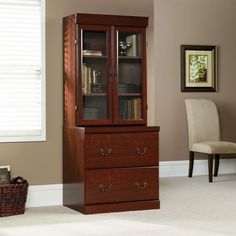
(176, 22)
(210, 22)
(41, 162)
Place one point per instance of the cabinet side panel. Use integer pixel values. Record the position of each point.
(73, 168)
(69, 69)
(144, 75)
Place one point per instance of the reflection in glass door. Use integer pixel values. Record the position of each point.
(129, 75)
(94, 74)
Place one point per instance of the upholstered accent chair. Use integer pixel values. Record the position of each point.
(204, 134)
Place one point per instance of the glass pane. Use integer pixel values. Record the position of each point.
(95, 108)
(130, 108)
(94, 43)
(129, 44)
(94, 75)
(129, 76)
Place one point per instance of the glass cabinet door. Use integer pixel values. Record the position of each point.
(95, 75)
(130, 67)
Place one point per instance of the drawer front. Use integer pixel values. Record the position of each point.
(121, 150)
(121, 185)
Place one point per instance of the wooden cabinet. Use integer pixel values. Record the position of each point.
(111, 169)
(110, 156)
(121, 149)
(105, 70)
(121, 185)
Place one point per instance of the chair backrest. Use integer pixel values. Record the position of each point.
(203, 121)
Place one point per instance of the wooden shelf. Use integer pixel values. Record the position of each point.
(130, 94)
(130, 119)
(129, 58)
(94, 57)
(94, 94)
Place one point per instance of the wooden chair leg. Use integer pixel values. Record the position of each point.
(217, 161)
(210, 166)
(191, 162)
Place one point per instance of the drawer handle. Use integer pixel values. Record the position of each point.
(141, 187)
(141, 151)
(105, 153)
(105, 188)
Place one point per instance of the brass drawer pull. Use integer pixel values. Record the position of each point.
(141, 151)
(102, 152)
(141, 187)
(105, 188)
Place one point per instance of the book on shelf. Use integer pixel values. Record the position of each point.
(130, 109)
(86, 79)
(133, 50)
(92, 53)
(89, 80)
(84, 72)
(137, 108)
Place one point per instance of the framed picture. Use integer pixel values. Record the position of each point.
(5, 175)
(198, 68)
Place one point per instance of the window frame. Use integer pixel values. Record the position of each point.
(42, 136)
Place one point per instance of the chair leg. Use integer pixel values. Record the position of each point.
(210, 166)
(217, 161)
(191, 162)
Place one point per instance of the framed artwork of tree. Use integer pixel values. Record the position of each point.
(198, 68)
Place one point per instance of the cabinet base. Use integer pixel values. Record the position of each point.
(116, 207)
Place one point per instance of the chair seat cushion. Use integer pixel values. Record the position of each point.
(214, 147)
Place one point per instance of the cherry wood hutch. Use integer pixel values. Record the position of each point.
(110, 156)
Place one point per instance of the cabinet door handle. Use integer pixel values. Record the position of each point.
(104, 188)
(102, 152)
(109, 76)
(141, 151)
(140, 187)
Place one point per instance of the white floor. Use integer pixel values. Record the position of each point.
(188, 207)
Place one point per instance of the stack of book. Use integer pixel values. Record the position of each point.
(91, 113)
(128, 88)
(86, 79)
(130, 109)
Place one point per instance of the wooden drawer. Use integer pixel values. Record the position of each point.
(121, 185)
(121, 150)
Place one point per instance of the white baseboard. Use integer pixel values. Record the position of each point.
(51, 195)
(180, 168)
(44, 195)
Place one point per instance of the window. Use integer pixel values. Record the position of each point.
(22, 71)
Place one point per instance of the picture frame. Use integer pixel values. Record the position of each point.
(5, 177)
(198, 68)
